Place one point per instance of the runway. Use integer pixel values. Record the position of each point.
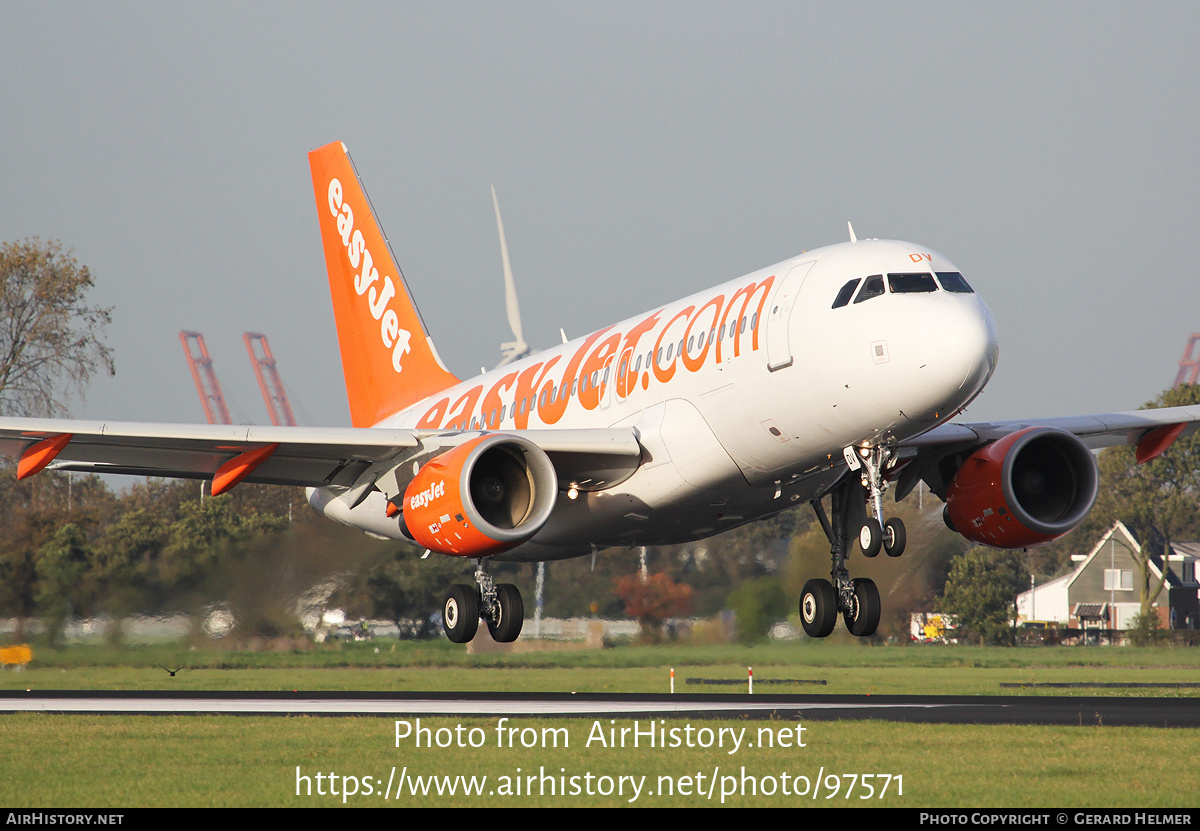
(1060, 710)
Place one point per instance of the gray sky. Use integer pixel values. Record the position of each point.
(641, 151)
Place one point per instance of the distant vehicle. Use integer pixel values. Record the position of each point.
(933, 627)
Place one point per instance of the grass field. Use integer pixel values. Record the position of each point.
(124, 761)
(128, 761)
(424, 666)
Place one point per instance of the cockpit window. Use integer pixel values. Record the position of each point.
(911, 283)
(873, 287)
(843, 296)
(953, 281)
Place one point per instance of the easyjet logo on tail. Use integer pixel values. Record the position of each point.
(387, 356)
(378, 294)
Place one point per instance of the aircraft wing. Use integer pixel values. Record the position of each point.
(1096, 431)
(1150, 431)
(301, 456)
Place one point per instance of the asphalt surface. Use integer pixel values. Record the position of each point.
(1062, 710)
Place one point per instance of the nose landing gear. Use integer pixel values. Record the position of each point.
(499, 604)
(857, 600)
(876, 533)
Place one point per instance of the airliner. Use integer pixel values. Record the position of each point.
(835, 373)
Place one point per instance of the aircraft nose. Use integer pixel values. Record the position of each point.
(957, 346)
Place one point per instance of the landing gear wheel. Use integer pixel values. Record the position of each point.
(818, 608)
(894, 537)
(946, 518)
(862, 619)
(460, 613)
(509, 616)
(870, 538)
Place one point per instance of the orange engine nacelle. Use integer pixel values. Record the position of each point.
(1026, 489)
(483, 497)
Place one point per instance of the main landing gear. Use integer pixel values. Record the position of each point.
(857, 600)
(499, 604)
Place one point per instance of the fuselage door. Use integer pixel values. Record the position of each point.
(779, 350)
(608, 381)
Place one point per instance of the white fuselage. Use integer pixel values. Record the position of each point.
(743, 395)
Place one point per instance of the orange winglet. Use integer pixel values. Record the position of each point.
(1155, 443)
(41, 454)
(239, 467)
(392, 509)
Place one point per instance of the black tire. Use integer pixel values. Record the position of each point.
(510, 614)
(894, 537)
(870, 538)
(946, 518)
(818, 608)
(460, 613)
(863, 619)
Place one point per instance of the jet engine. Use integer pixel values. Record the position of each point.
(1026, 489)
(482, 497)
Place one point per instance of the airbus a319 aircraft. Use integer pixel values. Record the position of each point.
(836, 372)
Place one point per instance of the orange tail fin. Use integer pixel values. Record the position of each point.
(387, 357)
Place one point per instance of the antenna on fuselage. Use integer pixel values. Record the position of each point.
(851, 227)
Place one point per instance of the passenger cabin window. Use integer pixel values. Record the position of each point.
(911, 283)
(873, 287)
(953, 281)
(843, 296)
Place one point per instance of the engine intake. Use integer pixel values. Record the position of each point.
(1024, 490)
(482, 497)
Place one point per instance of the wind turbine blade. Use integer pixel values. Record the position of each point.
(510, 289)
